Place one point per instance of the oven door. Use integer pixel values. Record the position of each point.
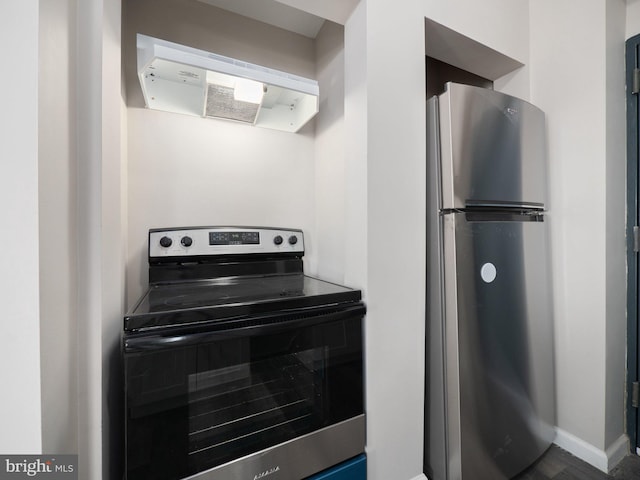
(212, 400)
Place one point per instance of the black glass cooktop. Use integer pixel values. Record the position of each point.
(203, 300)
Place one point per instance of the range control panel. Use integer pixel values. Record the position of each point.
(199, 241)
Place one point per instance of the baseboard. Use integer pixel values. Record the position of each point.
(603, 461)
(420, 477)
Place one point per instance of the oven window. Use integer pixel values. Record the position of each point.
(193, 408)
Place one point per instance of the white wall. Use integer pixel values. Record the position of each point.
(113, 230)
(586, 153)
(633, 18)
(99, 235)
(395, 207)
(57, 173)
(20, 402)
(80, 231)
(192, 171)
(330, 158)
(615, 254)
(356, 148)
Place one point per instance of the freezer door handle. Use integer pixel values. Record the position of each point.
(503, 216)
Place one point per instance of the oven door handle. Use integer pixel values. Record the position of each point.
(246, 327)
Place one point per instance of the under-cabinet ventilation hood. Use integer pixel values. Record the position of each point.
(180, 79)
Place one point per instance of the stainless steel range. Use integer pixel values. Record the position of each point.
(236, 364)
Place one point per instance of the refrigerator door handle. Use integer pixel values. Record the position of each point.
(502, 216)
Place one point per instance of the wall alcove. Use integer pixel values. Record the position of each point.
(194, 171)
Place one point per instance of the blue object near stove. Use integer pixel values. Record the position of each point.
(354, 469)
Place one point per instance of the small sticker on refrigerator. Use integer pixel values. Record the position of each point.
(488, 272)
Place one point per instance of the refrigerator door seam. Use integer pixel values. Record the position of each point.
(451, 349)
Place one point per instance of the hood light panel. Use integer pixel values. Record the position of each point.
(180, 79)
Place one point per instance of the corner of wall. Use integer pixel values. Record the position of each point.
(617, 451)
(616, 188)
(330, 160)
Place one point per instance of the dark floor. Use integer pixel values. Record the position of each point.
(558, 464)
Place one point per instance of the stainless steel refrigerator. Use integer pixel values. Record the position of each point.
(489, 407)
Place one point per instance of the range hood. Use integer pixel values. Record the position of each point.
(180, 79)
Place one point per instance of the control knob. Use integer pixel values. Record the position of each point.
(293, 240)
(277, 240)
(166, 242)
(186, 241)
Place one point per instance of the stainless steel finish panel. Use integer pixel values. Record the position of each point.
(200, 246)
(435, 451)
(493, 149)
(297, 458)
(499, 346)
(490, 389)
